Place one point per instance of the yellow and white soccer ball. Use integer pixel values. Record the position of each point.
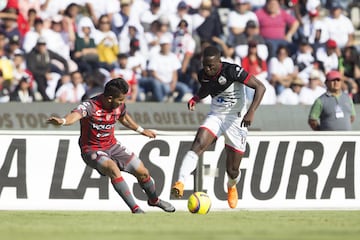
(199, 202)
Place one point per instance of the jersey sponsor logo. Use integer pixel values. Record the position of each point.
(220, 100)
(98, 113)
(222, 80)
(102, 126)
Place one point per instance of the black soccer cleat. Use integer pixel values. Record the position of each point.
(166, 206)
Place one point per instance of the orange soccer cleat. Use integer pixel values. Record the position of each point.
(177, 190)
(232, 196)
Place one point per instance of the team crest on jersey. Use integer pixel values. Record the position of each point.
(108, 117)
(222, 80)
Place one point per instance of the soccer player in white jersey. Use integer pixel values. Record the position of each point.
(229, 116)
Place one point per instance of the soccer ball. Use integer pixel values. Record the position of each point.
(199, 202)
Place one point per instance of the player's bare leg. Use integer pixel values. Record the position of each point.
(148, 185)
(233, 160)
(109, 168)
(202, 141)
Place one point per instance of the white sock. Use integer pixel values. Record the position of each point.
(188, 165)
(232, 182)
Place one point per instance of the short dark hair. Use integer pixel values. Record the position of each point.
(211, 51)
(115, 87)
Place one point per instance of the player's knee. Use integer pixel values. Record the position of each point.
(232, 173)
(143, 175)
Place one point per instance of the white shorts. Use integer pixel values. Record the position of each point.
(229, 126)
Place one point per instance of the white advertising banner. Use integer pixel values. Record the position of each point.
(286, 170)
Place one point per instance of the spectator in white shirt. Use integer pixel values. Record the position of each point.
(339, 26)
(180, 14)
(314, 89)
(150, 15)
(238, 17)
(281, 69)
(329, 55)
(163, 69)
(71, 91)
(290, 95)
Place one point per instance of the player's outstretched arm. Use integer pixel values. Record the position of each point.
(67, 120)
(128, 122)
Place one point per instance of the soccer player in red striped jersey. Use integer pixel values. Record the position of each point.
(100, 149)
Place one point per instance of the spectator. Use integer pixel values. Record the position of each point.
(182, 13)
(53, 81)
(39, 62)
(313, 28)
(23, 92)
(329, 55)
(10, 24)
(72, 15)
(276, 26)
(4, 90)
(314, 88)
(163, 69)
(350, 66)
(334, 110)
(32, 36)
(132, 30)
(52, 8)
(150, 15)
(61, 40)
(281, 70)
(257, 66)
(184, 48)
(136, 60)
(206, 23)
(106, 43)
(30, 22)
(304, 59)
(6, 65)
(239, 16)
(152, 37)
(85, 52)
(21, 71)
(98, 8)
(71, 91)
(340, 27)
(291, 95)
(12, 46)
(240, 42)
(119, 19)
(121, 70)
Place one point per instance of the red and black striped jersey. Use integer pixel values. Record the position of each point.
(97, 124)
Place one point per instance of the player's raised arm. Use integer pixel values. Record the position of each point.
(69, 119)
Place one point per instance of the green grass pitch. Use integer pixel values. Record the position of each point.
(239, 225)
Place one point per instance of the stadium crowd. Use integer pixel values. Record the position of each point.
(67, 50)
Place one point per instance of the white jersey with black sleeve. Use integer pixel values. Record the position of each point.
(226, 89)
